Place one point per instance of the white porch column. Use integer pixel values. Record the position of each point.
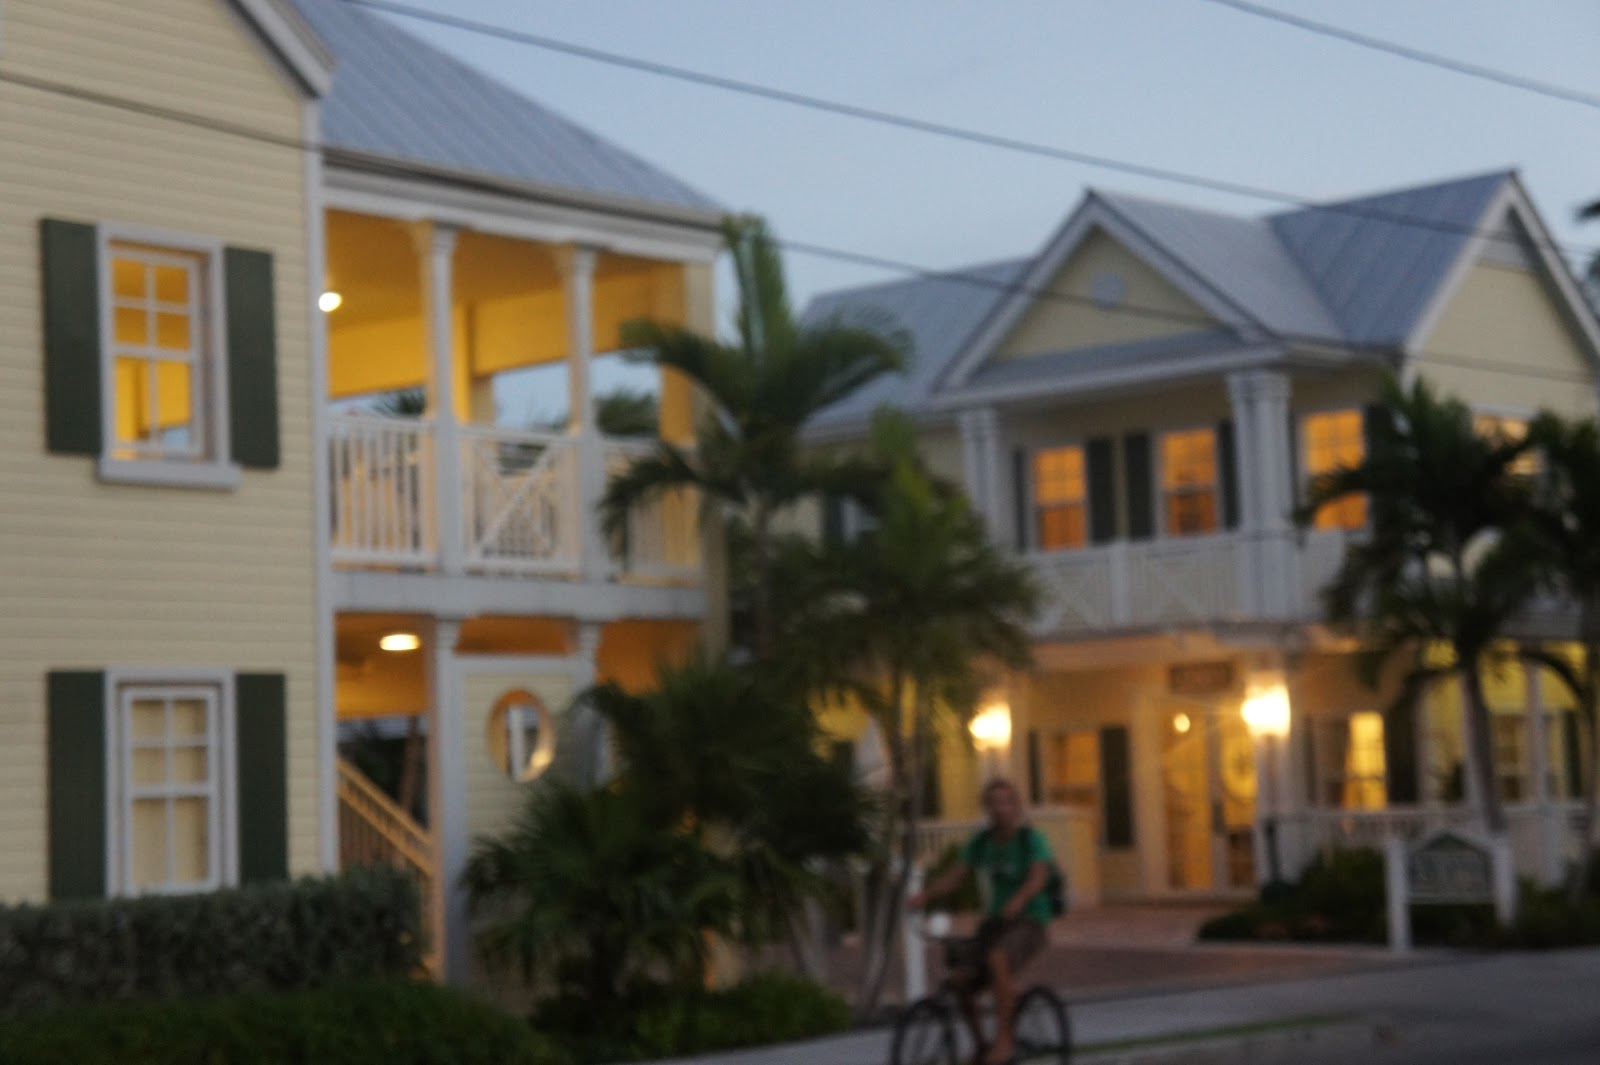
(1260, 401)
(447, 797)
(436, 246)
(577, 263)
(984, 471)
(585, 672)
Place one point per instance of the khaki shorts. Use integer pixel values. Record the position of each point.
(1019, 942)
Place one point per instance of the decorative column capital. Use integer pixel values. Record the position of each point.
(980, 422)
(576, 262)
(433, 238)
(1258, 386)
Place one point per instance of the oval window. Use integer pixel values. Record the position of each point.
(522, 735)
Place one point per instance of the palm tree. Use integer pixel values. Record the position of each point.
(1567, 544)
(1590, 212)
(733, 759)
(1444, 564)
(908, 621)
(627, 412)
(748, 459)
(587, 893)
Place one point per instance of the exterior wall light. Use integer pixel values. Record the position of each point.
(991, 729)
(1266, 712)
(400, 641)
(330, 301)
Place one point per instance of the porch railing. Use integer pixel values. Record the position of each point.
(1163, 582)
(375, 830)
(1070, 830)
(383, 489)
(521, 508)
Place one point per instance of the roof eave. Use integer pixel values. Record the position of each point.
(293, 43)
(707, 219)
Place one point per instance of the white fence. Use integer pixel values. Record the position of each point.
(661, 541)
(522, 502)
(383, 486)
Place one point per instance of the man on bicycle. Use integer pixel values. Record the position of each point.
(1015, 859)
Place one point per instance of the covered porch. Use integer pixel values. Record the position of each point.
(464, 431)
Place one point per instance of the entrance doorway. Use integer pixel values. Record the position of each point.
(1208, 784)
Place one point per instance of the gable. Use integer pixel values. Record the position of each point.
(1505, 338)
(1115, 297)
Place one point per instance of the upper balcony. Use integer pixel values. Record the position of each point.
(464, 442)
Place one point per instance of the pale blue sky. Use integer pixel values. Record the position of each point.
(1182, 84)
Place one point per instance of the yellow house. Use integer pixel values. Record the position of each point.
(158, 671)
(482, 254)
(1134, 410)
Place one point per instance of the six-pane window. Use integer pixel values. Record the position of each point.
(1332, 440)
(161, 368)
(1189, 482)
(171, 830)
(1060, 498)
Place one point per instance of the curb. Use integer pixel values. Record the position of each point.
(1288, 1042)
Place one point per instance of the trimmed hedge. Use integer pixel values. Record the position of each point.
(362, 925)
(360, 1024)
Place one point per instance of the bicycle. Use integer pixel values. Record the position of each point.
(925, 1033)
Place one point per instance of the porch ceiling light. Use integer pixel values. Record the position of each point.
(400, 641)
(1266, 711)
(991, 729)
(1181, 723)
(330, 301)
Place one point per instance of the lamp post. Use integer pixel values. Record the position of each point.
(991, 735)
(1266, 714)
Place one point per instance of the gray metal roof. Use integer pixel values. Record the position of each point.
(1080, 361)
(939, 312)
(1375, 271)
(1241, 258)
(1351, 271)
(398, 97)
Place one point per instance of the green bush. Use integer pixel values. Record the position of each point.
(362, 925)
(664, 1022)
(351, 1024)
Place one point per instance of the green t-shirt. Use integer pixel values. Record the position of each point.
(1006, 865)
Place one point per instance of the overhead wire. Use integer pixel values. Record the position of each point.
(941, 129)
(1201, 321)
(1415, 55)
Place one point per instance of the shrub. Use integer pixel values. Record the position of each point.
(362, 925)
(668, 1022)
(348, 1024)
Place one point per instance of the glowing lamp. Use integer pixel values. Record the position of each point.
(330, 301)
(1266, 711)
(1181, 723)
(400, 641)
(991, 729)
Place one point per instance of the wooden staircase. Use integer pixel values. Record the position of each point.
(376, 830)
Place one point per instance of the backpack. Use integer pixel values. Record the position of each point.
(1055, 885)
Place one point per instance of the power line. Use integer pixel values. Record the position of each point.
(939, 129)
(126, 104)
(1416, 55)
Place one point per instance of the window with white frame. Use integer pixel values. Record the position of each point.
(1349, 762)
(1060, 498)
(1332, 440)
(1189, 482)
(172, 803)
(162, 360)
(1510, 735)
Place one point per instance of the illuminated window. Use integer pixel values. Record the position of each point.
(1507, 430)
(1333, 440)
(172, 832)
(1350, 763)
(159, 354)
(1060, 499)
(1189, 482)
(1511, 755)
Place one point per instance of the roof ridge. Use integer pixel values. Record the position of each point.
(1111, 196)
(1502, 173)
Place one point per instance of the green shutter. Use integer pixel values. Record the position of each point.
(76, 736)
(252, 358)
(1296, 489)
(1140, 479)
(1228, 474)
(1116, 782)
(1035, 769)
(1572, 748)
(70, 273)
(1021, 497)
(1400, 754)
(1101, 460)
(260, 703)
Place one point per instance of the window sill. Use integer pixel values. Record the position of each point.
(218, 476)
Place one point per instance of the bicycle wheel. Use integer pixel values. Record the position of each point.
(924, 1035)
(1044, 1034)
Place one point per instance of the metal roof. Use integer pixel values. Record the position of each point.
(940, 313)
(398, 97)
(1358, 271)
(1375, 268)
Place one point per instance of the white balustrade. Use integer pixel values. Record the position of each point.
(661, 540)
(382, 481)
(521, 501)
